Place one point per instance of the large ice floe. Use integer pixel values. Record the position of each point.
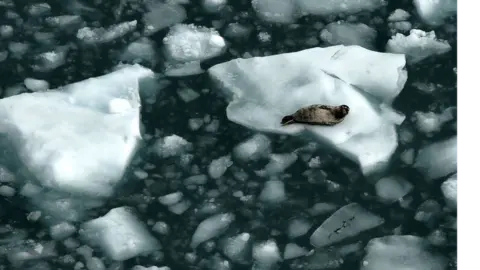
(263, 89)
(75, 142)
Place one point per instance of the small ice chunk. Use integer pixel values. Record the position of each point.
(280, 162)
(24, 252)
(213, 6)
(51, 60)
(172, 145)
(430, 122)
(183, 69)
(161, 227)
(348, 221)
(322, 208)
(95, 263)
(391, 189)
(266, 254)
(102, 35)
(435, 12)
(237, 31)
(171, 198)
(398, 15)
(408, 156)
(188, 94)
(219, 166)
(275, 11)
(5, 175)
(186, 43)
(39, 9)
(273, 192)
(293, 251)
(418, 45)
(298, 227)
(238, 248)
(36, 85)
(62, 230)
(7, 191)
(180, 208)
(438, 159)
(343, 33)
(253, 148)
(335, 7)
(428, 211)
(257, 96)
(162, 15)
(6, 31)
(65, 22)
(401, 252)
(211, 227)
(119, 234)
(18, 49)
(449, 190)
(142, 50)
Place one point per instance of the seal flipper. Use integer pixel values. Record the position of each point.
(287, 120)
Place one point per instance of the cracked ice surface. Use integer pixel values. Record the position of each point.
(263, 89)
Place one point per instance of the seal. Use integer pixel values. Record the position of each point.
(323, 115)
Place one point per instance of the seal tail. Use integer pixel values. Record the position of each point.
(287, 120)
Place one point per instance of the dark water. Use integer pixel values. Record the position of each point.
(170, 115)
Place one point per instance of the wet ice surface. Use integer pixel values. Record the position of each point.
(145, 135)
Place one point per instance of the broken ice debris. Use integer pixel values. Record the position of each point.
(392, 188)
(273, 192)
(449, 190)
(401, 252)
(398, 15)
(418, 45)
(187, 43)
(211, 227)
(172, 145)
(119, 234)
(343, 33)
(293, 251)
(162, 15)
(266, 254)
(35, 85)
(430, 122)
(287, 11)
(259, 99)
(438, 159)
(435, 12)
(348, 221)
(213, 6)
(140, 51)
(102, 35)
(238, 248)
(253, 148)
(298, 227)
(185, 46)
(219, 166)
(275, 11)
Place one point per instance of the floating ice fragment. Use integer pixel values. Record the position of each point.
(102, 35)
(438, 159)
(211, 227)
(162, 15)
(275, 11)
(273, 192)
(253, 148)
(238, 248)
(434, 12)
(449, 190)
(392, 188)
(401, 252)
(335, 7)
(346, 222)
(343, 33)
(418, 45)
(298, 227)
(293, 251)
(219, 166)
(142, 50)
(36, 85)
(266, 254)
(398, 15)
(430, 122)
(62, 230)
(213, 6)
(172, 145)
(119, 234)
